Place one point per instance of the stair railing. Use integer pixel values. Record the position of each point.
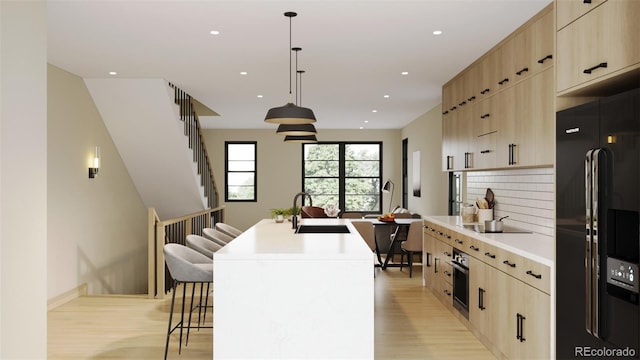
(172, 231)
(192, 128)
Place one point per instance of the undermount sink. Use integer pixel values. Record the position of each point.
(322, 229)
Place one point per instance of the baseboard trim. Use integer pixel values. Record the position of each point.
(66, 297)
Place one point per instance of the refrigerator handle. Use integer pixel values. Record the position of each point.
(587, 257)
(595, 260)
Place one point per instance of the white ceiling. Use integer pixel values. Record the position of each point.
(353, 52)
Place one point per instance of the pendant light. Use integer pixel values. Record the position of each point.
(297, 129)
(306, 139)
(290, 113)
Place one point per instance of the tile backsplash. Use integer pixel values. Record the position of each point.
(525, 195)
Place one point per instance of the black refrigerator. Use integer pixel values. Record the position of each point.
(597, 228)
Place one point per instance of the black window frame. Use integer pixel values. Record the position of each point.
(342, 173)
(226, 170)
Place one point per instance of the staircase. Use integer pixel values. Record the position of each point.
(156, 131)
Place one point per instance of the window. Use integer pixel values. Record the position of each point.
(455, 192)
(344, 174)
(240, 171)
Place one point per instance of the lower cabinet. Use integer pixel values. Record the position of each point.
(513, 316)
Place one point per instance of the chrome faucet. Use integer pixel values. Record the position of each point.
(294, 218)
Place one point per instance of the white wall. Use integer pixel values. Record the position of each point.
(280, 167)
(23, 179)
(425, 134)
(97, 231)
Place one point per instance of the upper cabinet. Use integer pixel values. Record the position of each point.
(494, 110)
(600, 42)
(569, 10)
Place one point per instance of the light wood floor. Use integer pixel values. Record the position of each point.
(410, 323)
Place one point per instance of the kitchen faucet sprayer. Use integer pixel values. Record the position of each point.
(294, 217)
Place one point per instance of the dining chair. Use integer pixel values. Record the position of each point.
(202, 245)
(216, 236)
(413, 244)
(351, 215)
(185, 266)
(365, 229)
(228, 229)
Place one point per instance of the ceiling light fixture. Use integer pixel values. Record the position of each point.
(386, 96)
(437, 32)
(112, 73)
(214, 32)
(290, 113)
(302, 139)
(297, 129)
(243, 73)
(405, 73)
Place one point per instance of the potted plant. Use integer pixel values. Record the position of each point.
(279, 214)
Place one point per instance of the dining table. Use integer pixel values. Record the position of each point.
(398, 225)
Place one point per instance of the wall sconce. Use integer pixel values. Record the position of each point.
(93, 171)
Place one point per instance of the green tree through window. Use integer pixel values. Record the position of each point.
(344, 174)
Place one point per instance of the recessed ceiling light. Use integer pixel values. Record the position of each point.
(361, 127)
(366, 121)
(386, 96)
(259, 96)
(374, 111)
(113, 73)
(214, 32)
(243, 73)
(437, 32)
(405, 73)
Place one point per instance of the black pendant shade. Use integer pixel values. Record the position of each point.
(296, 129)
(303, 139)
(290, 114)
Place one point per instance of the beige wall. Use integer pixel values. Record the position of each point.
(280, 167)
(23, 179)
(425, 134)
(97, 227)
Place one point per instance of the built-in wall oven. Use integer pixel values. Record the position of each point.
(460, 265)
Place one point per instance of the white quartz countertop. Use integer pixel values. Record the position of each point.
(270, 240)
(533, 246)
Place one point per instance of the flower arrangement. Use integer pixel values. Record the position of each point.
(332, 211)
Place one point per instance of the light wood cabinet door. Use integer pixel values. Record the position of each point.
(447, 142)
(544, 35)
(523, 321)
(483, 301)
(543, 117)
(569, 10)
(604, 42)
(429, 276)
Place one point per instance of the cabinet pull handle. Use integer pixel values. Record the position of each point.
(459, 241)
(467, 160)
(485, 91)
(462, 103)
(447, 253)
(586, 1)
(485, 116)
(589, 70)
(524, 70)
(449, 166)
(481, 299)
(520, 327)
(446, 112)
(504, 81)
(485, 151)
(548, 57)
(506, 262)
(440, 233)
(453, 108)
(435, 265)
(490, 255)
(447, 292)
(447, 273)
(537, 276)
(447, 236)
(471, 98)
(474, 248)
(428, 259)
(512, 154)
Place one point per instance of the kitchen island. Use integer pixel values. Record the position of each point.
(282, 295)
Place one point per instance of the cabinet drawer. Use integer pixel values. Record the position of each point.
(536, 275)
(444, 291)
(510, 263)
(569, 10)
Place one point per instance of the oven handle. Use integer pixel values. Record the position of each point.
(460, 267)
